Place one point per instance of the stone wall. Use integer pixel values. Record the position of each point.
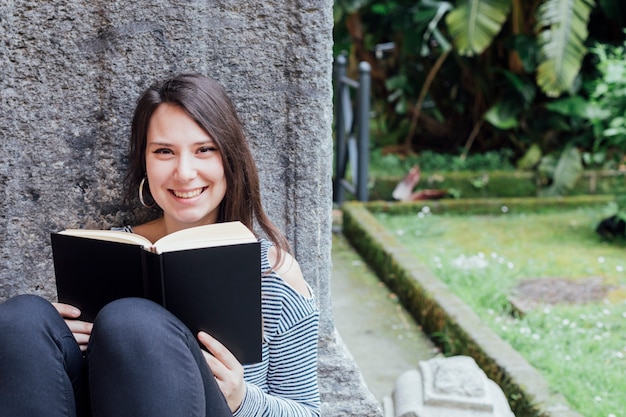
(70, 73)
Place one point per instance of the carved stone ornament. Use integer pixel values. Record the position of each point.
(451, 387)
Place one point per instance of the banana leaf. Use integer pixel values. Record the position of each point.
(561, 30)
(473, 24)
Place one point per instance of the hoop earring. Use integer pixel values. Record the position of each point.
(143, 203)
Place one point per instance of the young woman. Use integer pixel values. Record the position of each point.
(189, 156)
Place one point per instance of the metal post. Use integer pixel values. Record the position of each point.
(340, 128)
(363, 139)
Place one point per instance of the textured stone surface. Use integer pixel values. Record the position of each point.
(342, 389)
(71, 72)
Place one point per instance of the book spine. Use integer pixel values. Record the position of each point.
(152, 276)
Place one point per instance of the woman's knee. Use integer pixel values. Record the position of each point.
(129, 318)
(30, 325)
(27, 311)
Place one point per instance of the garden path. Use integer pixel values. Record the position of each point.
(383, 338)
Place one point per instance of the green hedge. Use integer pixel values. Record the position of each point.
(499, 184)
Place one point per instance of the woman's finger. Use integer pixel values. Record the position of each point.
(79, 327)
(218, 350)
(66, 310)
(81, 330)
(226, 368)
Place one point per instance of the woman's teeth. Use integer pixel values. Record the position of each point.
(188, 194)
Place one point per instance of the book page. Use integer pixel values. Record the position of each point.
(216, 234)
(110, 235)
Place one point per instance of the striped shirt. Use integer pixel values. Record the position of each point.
(284, 383)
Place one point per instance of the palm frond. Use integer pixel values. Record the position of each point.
(475, 23)
(561, 31)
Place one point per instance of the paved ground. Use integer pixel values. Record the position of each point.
(380, 334)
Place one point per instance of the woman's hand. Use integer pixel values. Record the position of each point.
(80, 329)
(227, 370)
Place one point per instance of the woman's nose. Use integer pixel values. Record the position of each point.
(185, 169)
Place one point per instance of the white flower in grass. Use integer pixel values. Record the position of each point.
(565, 322)
(425, 210)
(421, 215)
(471, 262)
(601, 259)
(400, 232)
(606, 312)
(619, 355)
(619, 268)
(536, 336)
(510, 265)
(568, 358)
(611, 415)
(494, 255)
(504, 209)
(597, 398)
(624, 314)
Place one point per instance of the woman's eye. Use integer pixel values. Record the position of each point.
(164, 151)
(206, 149)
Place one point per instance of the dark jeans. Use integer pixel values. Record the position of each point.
(141, 361)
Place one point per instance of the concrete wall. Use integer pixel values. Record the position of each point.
(70, 72)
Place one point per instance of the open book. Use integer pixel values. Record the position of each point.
(207, 276)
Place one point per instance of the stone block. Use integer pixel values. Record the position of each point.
(451, 387)
(71, 73)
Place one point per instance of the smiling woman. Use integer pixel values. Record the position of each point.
(188, 144)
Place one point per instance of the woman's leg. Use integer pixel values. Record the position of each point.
(144, 362)
(41, 365)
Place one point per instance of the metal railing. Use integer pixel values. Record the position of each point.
(351, 131)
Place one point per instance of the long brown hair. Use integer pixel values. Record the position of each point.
(207, 102)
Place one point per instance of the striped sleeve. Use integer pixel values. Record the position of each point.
(285, 382)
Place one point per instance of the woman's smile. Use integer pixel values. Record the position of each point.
(188, 194)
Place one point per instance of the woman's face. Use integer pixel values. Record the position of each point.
(184, 168)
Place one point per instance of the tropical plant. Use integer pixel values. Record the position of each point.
(599, 119)
(476, 74)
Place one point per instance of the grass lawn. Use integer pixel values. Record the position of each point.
(580, 348)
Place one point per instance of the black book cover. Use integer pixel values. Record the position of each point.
(215, 289)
